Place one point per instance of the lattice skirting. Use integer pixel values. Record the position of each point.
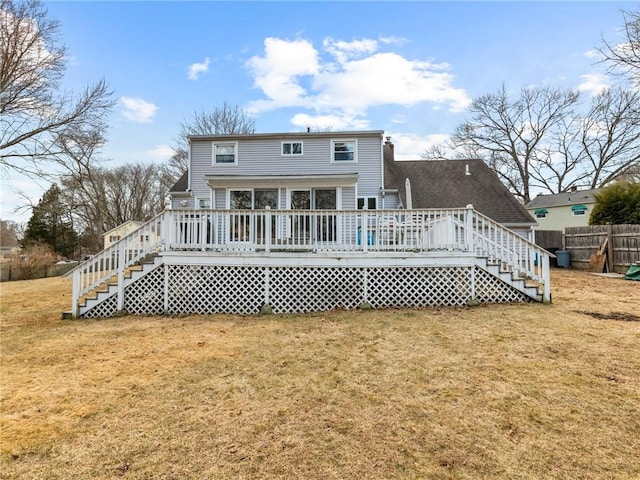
(208, 289)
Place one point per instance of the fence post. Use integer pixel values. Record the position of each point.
(610, 248)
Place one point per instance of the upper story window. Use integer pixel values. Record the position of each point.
(579, 210)
(541, 213)
(204, 203)
(344, 151)
(225, 153)
(114, 238)
(291, 148)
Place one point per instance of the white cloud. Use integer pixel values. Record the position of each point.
(277, 73)
(593, 83)
(347, 78)
(330, 122)
(409, 146)
(343, 51)
(159, 152)
(592, 54)
(195, 69)
(138, 110)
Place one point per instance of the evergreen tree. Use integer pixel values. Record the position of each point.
(617, 204)
(50, 225)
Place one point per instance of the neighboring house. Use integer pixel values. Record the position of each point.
(456, 184)
(115, 234)
(562, 210)
(299, 222)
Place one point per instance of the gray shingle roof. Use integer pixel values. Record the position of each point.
(445, 184)
(181, 185)
(567, 198)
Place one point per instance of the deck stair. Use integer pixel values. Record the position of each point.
(529, 287)
(110, 287)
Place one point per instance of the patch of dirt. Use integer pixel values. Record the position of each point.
(625, 317)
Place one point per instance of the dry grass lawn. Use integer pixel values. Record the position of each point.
(497, 392)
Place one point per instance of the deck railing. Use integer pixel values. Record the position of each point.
(243, 231)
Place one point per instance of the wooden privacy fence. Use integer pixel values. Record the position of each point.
(622, 247)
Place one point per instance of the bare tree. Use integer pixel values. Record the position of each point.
(34, 112)
(624, 57)
(225, 119)
(611, 136)
(103, 198)
(512, 134)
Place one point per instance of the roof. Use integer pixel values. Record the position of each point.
(446, 184)
(563, 199)
(181, 185)
(288, 135)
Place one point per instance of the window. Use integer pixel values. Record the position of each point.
(344, 151)
(370, 202)
(144, 238)
(204, 203)
(224, 153)
(579, 210)
(541, 213)
(291, 148)
(114, 238)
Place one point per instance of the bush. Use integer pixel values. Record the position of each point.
(617, 204)
(31, 262)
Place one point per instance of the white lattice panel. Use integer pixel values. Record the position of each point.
(312, 289)
(490, 289)
(146, 295)
(206, 289)
(416, 287)
(106, 308)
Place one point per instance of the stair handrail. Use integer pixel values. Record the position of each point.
(107, 264)
(518, 254)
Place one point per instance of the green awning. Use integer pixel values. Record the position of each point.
(578, 207)
(539, 211)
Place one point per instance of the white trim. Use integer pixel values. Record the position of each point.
(344, 140)
(291, 181)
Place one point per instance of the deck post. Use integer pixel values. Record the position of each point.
(75, 289)
(166, 289)
(469, 228)
(546, 278)
(364, 230)
(268, 219)
(121, 264)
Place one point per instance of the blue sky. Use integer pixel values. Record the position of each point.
(408, 68)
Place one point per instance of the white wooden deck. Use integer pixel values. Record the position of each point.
(238, 261)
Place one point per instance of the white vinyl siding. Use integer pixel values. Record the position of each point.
(263, 157)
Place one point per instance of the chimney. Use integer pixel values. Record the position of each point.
(388, 142)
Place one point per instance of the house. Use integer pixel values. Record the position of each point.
(308, 221)
(115, 234)
(562, 210)
(455, 184)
